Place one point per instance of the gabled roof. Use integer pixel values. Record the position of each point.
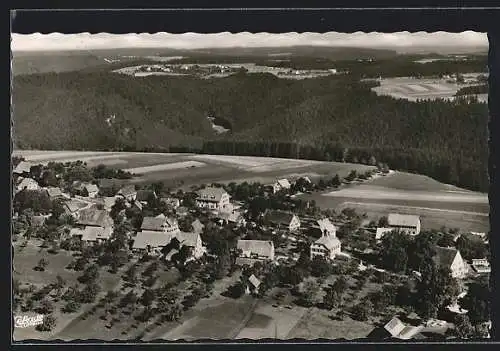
(211, 194)
(109, 201)
(197, 226)
(254, 281)
(259, 247)
(144, 195)
(444, 256)
(74, 205)
(157, 223)
(328, 241)
(187, 239)
(394, 326)
(54, 192)
(284, 183)
(91, 188)
(326, 225)
(396, 219)
(382, 231)
(27, 182)
(94, 217)
(127, 191)
(91, 233)
(23, 167)
(278, 217)
(152, 239)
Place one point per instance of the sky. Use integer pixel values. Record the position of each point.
(87, 41)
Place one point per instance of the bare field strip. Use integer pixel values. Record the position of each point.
(375, 192)
(166, 167)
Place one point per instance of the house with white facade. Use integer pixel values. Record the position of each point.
(452, 259)
(481, 265)
(409, 224)
(328, 245)
(213, 198)
(160, 223)
(153, 242)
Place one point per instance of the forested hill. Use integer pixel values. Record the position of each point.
(333, 118)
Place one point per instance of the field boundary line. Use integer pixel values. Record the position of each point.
(416, 208)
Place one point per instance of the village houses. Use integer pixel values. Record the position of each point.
(281, 184)
(284, 220)
(452, 259)
(213, 198)
(55, 193)
(143, 196)
(93, 225)
(171, 201)
(328, 245)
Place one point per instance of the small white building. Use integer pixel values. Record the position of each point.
(408, 224)
(481, 265)
(281, 184)
(213, 198)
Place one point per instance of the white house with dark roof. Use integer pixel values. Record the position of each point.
(282, 220)
(451, 259)
(328, 245)
(256, 249)
(409, 224)
(281, 184)
(213, 198)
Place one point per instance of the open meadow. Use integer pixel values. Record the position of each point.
(172, 168)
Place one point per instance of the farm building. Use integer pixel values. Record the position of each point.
(73, 207)
(452, 259)
(23, 168)
(256, 249)
(28, 184)
(481, 265)
(85, 189)
(282, 220)
(93, 225)
(234, 217)
(143, 196)
(409, 224)
(154, 241)
(160, 223)
(328, 245)
(281, 184)
(213, 198)
(128, 193)
(55, 193)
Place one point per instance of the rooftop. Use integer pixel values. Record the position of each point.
(157, 223)
(396, 219)
(278, 216)
(259, 247)
(94, 217)
(152, 239)
(23, 167)
(211, 194)
(444, 256)
(127, 191)
(328, 241)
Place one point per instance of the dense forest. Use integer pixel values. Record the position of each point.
(334, 118)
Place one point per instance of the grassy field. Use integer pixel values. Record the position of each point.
(172, 168)
(413, 89)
